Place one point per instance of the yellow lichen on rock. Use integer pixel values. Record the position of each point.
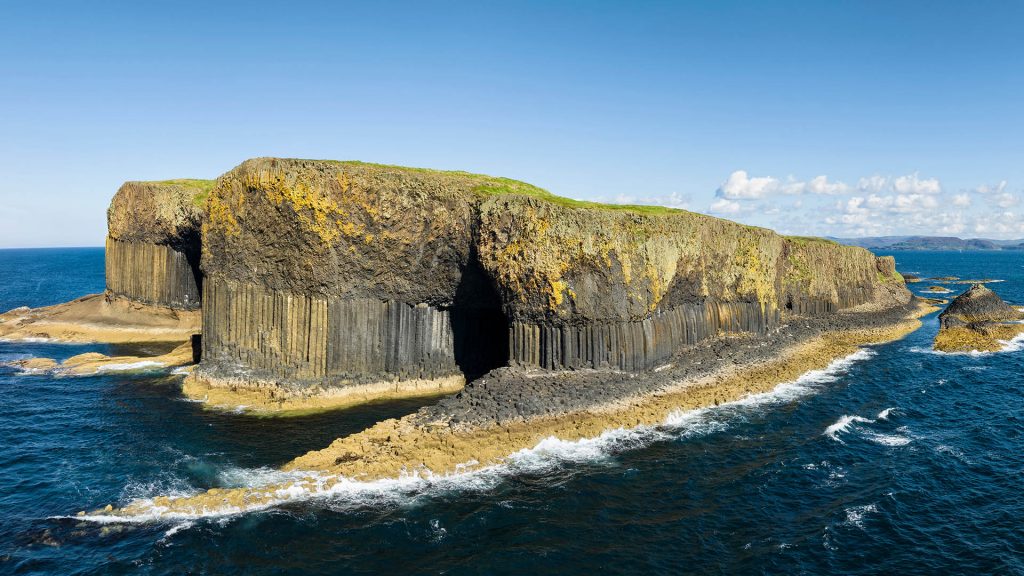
(269, 399)
(980, 338)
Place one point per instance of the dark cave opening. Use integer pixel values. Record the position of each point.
(479, 325)
(190, 244)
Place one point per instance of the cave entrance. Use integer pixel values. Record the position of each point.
(479, 325)
(190, 244)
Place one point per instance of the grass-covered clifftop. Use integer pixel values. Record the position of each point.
(161, 212)
(351, 228)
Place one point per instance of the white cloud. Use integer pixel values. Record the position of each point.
(873, 184)
(878, 205)
(725, 206)
(740, 185)
(1006, 200)
(912, 184)
(991, 188)
(913, 202)
(673, 200)
(821, 185)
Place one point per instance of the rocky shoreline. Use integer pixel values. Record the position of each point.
(103, 318)
(508, 395)
(512, 409)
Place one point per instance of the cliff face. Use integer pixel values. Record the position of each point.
(319, 271)
(153, 242)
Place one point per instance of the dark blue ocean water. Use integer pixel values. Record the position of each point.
(895, 461)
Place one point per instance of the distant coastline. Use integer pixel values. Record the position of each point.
(931, 243)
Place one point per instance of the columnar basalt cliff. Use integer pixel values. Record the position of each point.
(153, 282)
(337, 278)
(153, 242)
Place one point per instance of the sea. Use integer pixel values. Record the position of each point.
(894, 460)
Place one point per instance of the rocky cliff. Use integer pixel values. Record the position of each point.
(153, 242)
(322, 274)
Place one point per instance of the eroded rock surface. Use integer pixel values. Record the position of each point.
(977, 320)
(153, 242)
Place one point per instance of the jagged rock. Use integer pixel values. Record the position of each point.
(978, 320)
(977, 304)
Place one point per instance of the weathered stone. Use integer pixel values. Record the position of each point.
(153, 242)
(321, 272)
(977, 320)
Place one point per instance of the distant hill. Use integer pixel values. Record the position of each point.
(896, 243)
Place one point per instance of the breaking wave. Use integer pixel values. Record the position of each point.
(847, 423)
(140, 365)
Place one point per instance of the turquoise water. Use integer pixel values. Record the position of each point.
(897, 460)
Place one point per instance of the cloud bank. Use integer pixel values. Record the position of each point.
(877, 205)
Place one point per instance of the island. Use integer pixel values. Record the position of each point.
(325, 284)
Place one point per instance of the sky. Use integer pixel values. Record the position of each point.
(813, 118)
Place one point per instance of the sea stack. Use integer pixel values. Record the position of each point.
(977, 320)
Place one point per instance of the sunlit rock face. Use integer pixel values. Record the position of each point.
(321, 273)
(977, 320)
(153, 242)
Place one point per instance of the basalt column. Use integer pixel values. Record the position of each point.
(635, 345)
(153, 244)
(342, 278)
(592, 287)
(312, 340)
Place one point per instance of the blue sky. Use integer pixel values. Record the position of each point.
(842, 118)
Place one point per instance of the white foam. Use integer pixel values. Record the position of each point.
(847, 422)
(24, 371)
(843, 425)
(140, 365)
(29, 340)
(888, 439)
(1014, 344)
(855, 515)
(177, 528)
(551, 453)
(193, 400)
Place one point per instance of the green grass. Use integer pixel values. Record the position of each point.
(202, 187)
(811, 239)
(498, 186)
